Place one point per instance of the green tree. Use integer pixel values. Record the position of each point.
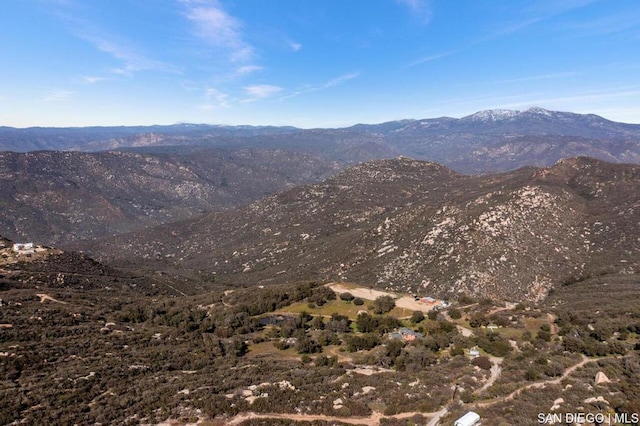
(383, 304)
(365, 323)
(455, 313)
(417, 316)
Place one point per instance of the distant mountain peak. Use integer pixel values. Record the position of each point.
(492, 115)
(539, 111)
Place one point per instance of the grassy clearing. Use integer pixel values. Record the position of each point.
(267, 349)
(335, 306)
(401, 312)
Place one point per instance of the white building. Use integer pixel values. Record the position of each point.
(23, 247)
(469, 419)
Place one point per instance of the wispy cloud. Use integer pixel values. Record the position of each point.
(295, 46)
(553, 7)
(538, 14)
(219, 29)
(261, 91)
(608, 94)
(605, 25)
(119, 48)
(433, 57)
(131, 61)
(215, 99)
(419, 9)
(92, 80)
(340, 79)
(509, 29)
(331, 83)
(56, 95)
(550, 76)
(248, 69)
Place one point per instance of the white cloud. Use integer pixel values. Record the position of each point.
(248, 69)
(295, 46)
(91, 80)
(262, 91)
(218, 28)
(215, 99)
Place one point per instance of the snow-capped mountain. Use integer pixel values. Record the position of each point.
(490, 140)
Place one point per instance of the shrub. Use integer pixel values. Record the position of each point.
(455, 313)
(482, 362)
(347, 297)
(417, 317)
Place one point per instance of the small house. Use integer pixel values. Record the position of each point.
(405, 334)
(23, 247)
(470, 419)
(474, 353)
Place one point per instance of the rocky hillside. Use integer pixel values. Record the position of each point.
(45, 268)
(487, 141)
(418, 227)
(55, 197)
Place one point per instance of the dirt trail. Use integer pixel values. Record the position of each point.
(537, 385)
(342, 357)
(552, 323)
(44, 297)
(372, 420)
(496, 369)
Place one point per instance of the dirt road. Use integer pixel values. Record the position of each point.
(537, 385)
(372, 420)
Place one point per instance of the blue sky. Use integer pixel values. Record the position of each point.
(313, 63)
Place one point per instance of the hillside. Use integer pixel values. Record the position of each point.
(45, 268)
(55, 197)
(412, 226)
(487, 141)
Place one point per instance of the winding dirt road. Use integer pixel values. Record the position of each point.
(375, 417)
(536, 385)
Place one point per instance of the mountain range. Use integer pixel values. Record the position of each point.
(413, 226)
(245, 205)
(487, 141)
